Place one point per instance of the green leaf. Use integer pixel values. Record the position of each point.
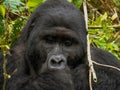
(70, 0)
(117, 2)
(104, 17)
(78, 3)
(13, 4)
(32, 4)
(2, 11)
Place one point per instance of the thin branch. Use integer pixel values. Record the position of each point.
(4, 54)
(91, 68)
(100, 27)
(104, 65)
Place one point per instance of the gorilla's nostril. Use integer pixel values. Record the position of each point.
(60, 62)
(54, 62)
(57, 62)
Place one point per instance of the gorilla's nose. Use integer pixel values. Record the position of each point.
(57, 62)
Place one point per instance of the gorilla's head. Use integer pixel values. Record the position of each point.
(55, 37)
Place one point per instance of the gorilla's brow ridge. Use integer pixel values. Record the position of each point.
(62, 33)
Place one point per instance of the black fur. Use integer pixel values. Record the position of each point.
(28, 61)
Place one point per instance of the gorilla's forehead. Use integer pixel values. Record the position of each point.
(60, 16)
(59, 32)
(68, 21)
(51, 15)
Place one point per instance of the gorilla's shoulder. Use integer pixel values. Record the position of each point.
(104, 57)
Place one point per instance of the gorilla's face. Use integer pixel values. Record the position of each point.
(56, 39)
(56, 48)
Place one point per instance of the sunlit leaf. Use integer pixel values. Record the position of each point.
(70, 0)
(2, 10)
(114, 16)
(104, 17)
(32, 4)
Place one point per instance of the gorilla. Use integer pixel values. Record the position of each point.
(51, 53)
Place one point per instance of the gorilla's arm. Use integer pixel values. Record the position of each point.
(108, 78)
(104, 57)
(47, 81)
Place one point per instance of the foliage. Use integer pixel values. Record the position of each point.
(117, 2)
(105, 37)
(14, 13)
(33, 3)
(11, 22)
(78, 3)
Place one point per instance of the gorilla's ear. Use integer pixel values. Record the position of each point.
(27, 29)
(17, 51)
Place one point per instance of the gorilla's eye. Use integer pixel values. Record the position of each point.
(50, 39)
(68, 43)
